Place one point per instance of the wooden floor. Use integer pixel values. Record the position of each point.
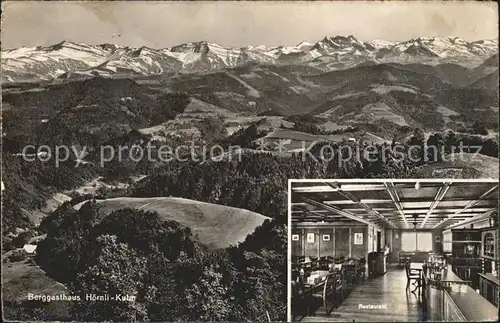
(388, 290)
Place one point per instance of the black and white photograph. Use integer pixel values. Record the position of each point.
(147, 145)
(431, 254)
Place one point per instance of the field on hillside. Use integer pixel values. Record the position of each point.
(213, 225)
(463, 166)
(292, 140)
(24, 277)
(20, 278)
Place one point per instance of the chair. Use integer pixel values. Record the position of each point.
(308, 266)
(339, 285)
(361, 269)
(351, 272)
(314, 263)
(326, 292)
(300, 301)
(323, 263)
(411, 275)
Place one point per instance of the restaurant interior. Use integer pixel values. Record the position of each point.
(393, 251)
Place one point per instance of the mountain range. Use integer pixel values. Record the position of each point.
(76, 60)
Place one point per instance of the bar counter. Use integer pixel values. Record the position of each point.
(456, 301)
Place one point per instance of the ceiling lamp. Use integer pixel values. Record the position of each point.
(493, 219)
(415, 216)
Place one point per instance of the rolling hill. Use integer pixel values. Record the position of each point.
(462, 166)
(213, 225)
(90, 112)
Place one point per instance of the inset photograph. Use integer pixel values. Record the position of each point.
(393, 250)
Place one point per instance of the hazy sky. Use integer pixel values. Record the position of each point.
(164, 24)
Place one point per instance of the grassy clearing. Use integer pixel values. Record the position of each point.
(213, 225)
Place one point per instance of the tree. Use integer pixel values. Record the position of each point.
(479, 128)
(22, 239)
(435, 148)
(417, 146)
(212, 129)
(208, 299)
(67, 246)
(118, 271)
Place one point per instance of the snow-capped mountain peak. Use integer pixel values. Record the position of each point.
(304, 45)
(70, 58)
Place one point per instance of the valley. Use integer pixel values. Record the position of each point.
(217, 225)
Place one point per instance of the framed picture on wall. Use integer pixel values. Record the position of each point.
(310, 237)
(295, 237)
(358, 238)
(326, 237)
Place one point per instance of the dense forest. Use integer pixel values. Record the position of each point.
(172, 277)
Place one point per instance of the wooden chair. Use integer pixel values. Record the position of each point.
(339, 285)
(351, 272)
(323, 263)
(308, 266)
(361, 269)
(340, 260)
(300, 300)
(326, 292)
(411, 275)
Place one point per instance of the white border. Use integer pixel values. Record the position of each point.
(395, 180)
(289, 253)
(354, 181)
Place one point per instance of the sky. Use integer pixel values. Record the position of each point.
(237, 24)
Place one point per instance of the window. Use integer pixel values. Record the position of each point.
(447, 242)
(408, 241)
(416, 241)
(424, 241)
(489, 245)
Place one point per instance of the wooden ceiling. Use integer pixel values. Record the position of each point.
(393, 204)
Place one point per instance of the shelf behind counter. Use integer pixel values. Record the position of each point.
(489, 288)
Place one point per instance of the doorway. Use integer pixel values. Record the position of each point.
(379, 241)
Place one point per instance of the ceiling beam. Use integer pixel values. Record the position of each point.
(439, 196)
(334, 210)
(446, 209)
(475, 219)
(345, 224)
(469, 205)
(345, 187)
(464, 200)
(355, 187)
(353, 198)
(367, 201)
(395, 198)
